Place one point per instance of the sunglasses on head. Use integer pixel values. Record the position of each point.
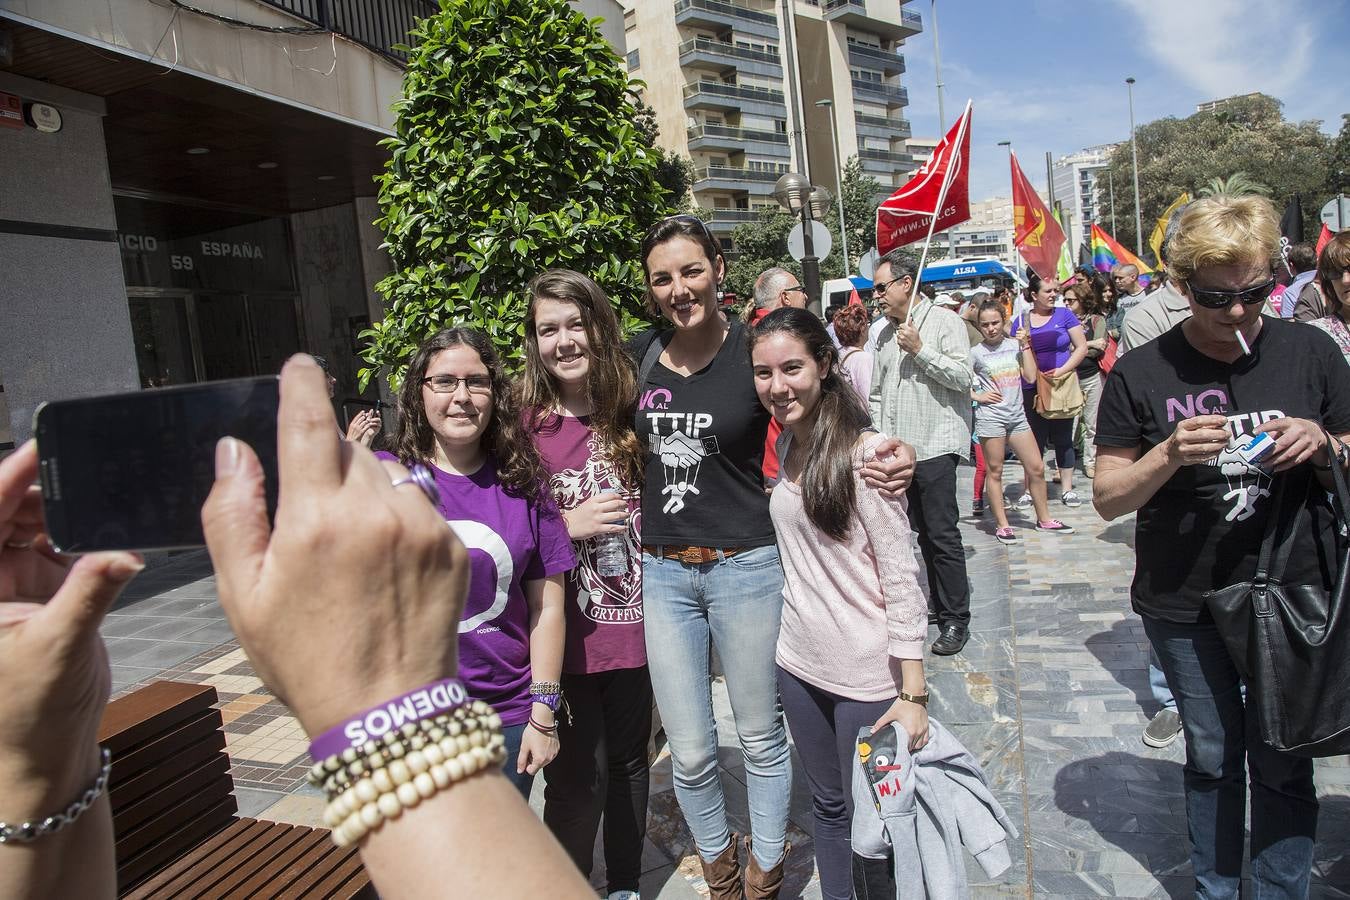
(1223, 299)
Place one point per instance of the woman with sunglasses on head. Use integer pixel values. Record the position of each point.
(457, 417)
(710, 567)
(1177, 420)
(578, 393)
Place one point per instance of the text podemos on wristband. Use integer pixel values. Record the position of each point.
(429, 700)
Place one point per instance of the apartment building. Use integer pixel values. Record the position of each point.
(719, 77)
(1076, 180)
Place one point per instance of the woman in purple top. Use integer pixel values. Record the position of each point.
(579, 393)
(456, 416)
(1057, 339)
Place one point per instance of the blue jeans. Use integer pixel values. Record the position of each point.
(1219, 736)
(734, 604)
(523, 781)
(1157, 682)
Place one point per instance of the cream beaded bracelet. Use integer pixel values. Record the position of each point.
(362, 803)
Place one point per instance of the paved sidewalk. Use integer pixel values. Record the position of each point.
(1051, 694)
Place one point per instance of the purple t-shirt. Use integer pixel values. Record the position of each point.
(510, 540)
(1051, 341)
(604, 615)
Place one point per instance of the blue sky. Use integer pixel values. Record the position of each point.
(1050, 74)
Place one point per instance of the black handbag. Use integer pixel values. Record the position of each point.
(1291, 642)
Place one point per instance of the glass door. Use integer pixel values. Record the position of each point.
(162, 333)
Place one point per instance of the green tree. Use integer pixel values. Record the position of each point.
(1248, 135)
(516, 149)
(1238, 184)
(1339, 181)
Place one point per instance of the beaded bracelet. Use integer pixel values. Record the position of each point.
(365, 805)
(337, 772)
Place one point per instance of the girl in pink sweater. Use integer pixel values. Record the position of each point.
(850, 649)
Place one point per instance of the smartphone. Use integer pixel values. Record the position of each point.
(131, 471)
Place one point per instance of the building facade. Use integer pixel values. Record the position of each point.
(1080, 188)
(719, 76)
(201, 207)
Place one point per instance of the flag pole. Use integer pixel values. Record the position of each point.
(947, 177)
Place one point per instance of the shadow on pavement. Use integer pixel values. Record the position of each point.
(1118, 533)
(1118, 652)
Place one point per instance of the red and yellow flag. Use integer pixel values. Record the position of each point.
(1035, 232)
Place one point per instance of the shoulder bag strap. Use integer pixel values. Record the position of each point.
(1340, 496)
(1268, 540)
(650, 358)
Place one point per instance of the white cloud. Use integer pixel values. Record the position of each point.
(1227, 47)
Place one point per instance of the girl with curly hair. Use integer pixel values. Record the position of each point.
(456, 415)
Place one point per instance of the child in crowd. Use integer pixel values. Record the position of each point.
(1000, 364)
(850, 648)
(458, 418)
(579, 393)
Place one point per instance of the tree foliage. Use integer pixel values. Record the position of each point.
(516, 149)
(1248, 135)
(763, 243)
(1239, 184)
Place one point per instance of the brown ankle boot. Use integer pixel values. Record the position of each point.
(724, 873)
(759, 884)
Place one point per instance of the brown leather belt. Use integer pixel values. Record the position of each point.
(687, 553)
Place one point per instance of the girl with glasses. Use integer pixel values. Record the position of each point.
(578, 392)
(457, 417)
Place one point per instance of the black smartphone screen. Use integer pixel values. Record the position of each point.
(131, 471)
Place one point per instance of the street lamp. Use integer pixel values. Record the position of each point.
(1134, 152)
(839, 181)
(794, 193)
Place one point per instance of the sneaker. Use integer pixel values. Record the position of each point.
(1024, 501)
(625, 895)
(1054, 525)
(1090, 470)
(1071, 498)
(977, 506)
(1163, 729)
(1007, 535)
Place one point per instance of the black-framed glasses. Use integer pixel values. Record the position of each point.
(789, 290)
(879, 287)
(448, 384)
(1223, 299)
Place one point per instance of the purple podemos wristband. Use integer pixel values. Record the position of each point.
(427, 701)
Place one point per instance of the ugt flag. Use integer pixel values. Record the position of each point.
(1035, 232)
(941, 187)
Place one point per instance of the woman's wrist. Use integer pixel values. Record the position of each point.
(34, 787)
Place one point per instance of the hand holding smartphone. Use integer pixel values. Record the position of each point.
(131, 471)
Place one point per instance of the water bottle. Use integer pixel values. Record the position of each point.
(611, 553)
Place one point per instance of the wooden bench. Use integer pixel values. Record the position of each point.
(174, 811)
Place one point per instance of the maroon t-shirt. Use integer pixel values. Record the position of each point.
(604, 615)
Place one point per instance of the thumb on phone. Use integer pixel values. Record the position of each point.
(234, 516)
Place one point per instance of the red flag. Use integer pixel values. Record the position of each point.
(1322, 239)
(1035, 232)
(907, 215)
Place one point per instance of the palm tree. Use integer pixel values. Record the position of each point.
(1236, 185)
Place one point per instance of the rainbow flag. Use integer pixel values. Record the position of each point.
(1107, 254)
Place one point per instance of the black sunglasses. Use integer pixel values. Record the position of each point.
(1223, 299)
(880, 286)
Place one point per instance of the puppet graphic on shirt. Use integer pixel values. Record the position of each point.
(678, 440)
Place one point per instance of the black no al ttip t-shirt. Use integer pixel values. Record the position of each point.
(1202, 530)
(705, 449)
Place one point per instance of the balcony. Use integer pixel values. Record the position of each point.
(885, 19)
(894, 95)
(374, 24)
(727, 219)
(722, 137)
(891, 127)
(888, 62)
(721, 55)
(886, 163)
(725, 14)
(719, 96)
(735, 178)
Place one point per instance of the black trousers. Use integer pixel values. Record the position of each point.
(601, 770)
(933, 515)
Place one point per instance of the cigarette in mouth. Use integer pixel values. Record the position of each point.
(1246, 351)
